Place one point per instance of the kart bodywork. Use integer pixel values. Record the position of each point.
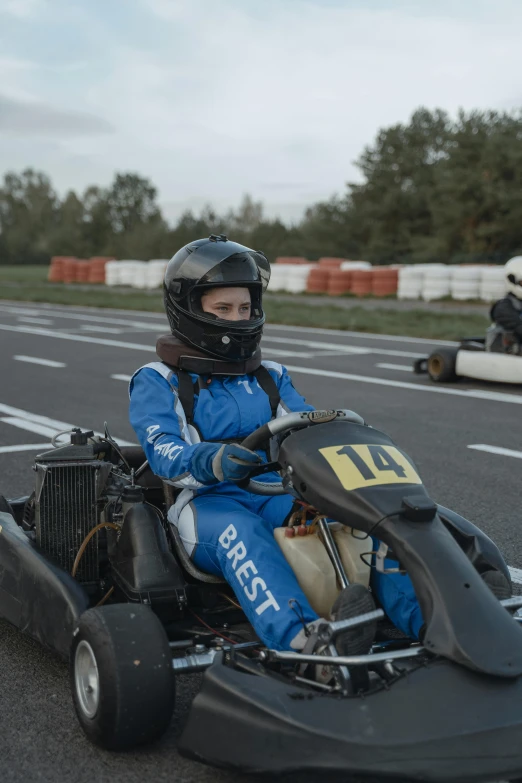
(470, 360)
(450, 709)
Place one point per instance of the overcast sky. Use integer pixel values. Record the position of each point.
(215, 98)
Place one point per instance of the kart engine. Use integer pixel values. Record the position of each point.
(73, 486)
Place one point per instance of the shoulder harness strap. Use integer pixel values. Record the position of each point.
(187, 390)
(269, 386)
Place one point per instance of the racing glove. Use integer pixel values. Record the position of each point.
(215, 462)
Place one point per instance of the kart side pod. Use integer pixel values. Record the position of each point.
(36, 595)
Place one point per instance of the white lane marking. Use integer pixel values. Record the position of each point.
(53, 424)
(31, 426)
(474, 393)
(23, 311)
(496, 450)
(118, 377)
(516, 575)
(337, 347)
(364, 335)
(96, 316)
(278, 352)
(515, 399)
(35, 360)
(353, 349)
(102, 329)
(402, 367)
(79, 338)
(43, 321)
(100, 313)
(24, 447)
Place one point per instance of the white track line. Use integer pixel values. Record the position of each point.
(278, 352)
(100, 314)
(478, 394)
(25, 447)
(496, 450)
(36, 360)
(402, 367)
(515, 399)
(101, 329)
(94, 317)
(30, 426)
(351, 349)
(118, 377)
(141, 347)
(43, 321)
(45, 421)
(516, 575)
(79, 338)
(363, 335)
(338, 347)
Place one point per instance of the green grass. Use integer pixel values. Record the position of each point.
(410, 323)
(29, 284)
(23, 274)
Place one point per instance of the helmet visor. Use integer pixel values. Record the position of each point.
(241, 269)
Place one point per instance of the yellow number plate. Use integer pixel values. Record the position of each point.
(368, 465)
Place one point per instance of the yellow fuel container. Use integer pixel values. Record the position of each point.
(312, 566)
(351, 547)
(310, 562)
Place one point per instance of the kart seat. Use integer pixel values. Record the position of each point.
(188, 565)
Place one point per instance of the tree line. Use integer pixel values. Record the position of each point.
(433, 189)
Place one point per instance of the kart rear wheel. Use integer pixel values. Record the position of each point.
(121, 676)
(441, 365)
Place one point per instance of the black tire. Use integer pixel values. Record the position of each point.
(133, 697)
(441, 365)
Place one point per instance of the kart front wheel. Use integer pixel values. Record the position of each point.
(121, 676)
(441, 365)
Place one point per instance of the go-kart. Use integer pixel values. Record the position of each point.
(470, 360)
(90, 567)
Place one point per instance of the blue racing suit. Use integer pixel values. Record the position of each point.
(226, 530)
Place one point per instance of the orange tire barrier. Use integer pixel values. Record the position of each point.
(331, 262)
(69, 270)
(97, 270)
(384, 281)
(362, 281)
(56, 269)
(339, 282)
(83, 269)
(317, 282)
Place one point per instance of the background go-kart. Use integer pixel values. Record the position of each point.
(70, 366)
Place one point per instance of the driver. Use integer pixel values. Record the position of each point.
(190, 412)
(506, 335)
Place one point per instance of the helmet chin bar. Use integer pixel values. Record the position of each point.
(233, 341)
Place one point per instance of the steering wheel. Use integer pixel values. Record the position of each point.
(292, 421)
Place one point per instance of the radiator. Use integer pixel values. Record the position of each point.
(65, 511)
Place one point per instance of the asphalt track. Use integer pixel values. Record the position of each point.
(63, 366)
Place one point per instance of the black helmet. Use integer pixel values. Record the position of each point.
(211, 263)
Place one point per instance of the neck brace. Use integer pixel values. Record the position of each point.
(176, 354)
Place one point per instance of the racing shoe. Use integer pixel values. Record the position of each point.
(499, 585)
(353, 601)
